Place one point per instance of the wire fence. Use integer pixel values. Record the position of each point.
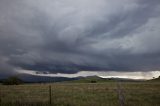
(105, 94)
(57, 95)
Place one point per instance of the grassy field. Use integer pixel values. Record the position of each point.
(82, 94)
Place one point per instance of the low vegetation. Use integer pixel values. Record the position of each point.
(81, 94)
(12, 81)
(155, 79)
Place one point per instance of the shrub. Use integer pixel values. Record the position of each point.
(12, 81)
(93, 81)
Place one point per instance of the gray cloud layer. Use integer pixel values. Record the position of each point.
(68, 36)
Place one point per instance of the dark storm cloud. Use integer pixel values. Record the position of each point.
(68, 36)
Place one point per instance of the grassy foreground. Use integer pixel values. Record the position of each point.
(81, 94)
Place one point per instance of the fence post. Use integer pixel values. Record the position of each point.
(50, 94)
(0, 97)
(120, 95)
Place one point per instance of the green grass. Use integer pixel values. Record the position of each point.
(81, 94)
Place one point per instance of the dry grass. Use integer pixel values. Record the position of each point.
(81, 94)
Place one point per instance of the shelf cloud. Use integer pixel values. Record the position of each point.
(69, 36)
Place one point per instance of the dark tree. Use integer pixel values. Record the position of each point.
(93, 81)
(12, 81)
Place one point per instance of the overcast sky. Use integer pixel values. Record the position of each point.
(69, 36)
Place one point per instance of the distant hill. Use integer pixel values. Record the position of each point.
(45, 79)
(89, 79)
(41, 79)
(97, 79)
(156, 79)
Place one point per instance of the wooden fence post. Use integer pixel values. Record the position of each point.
(0, 97)
(50, 94)
(120, 95)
